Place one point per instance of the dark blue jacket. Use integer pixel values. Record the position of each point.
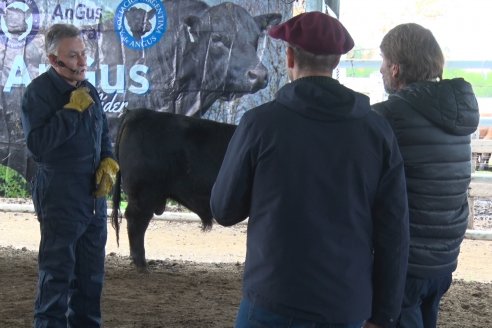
(433, 122)
(60, 137)
(66, 145)
(321, 178)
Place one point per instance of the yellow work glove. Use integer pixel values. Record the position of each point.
(105, 176)
(80, 100)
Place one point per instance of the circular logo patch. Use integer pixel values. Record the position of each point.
(140, 24)
(19, 22)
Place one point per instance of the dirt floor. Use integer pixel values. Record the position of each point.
(195, 278)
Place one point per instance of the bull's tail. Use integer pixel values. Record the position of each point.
(115, 214)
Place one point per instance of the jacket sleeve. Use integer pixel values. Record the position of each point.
(231, 194)
(391, 240)
(106, 145)
(45, 127)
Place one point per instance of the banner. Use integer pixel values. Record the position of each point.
(204, 59)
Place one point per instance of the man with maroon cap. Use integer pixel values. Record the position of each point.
(320, 177)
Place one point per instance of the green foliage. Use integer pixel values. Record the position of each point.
(361, 72)
(481, 81)
(12, 184)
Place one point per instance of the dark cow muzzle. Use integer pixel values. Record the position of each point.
(258, 78)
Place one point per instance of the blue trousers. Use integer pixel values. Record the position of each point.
(71, 252)
(421, 301)
(71, 273)
(252, 316)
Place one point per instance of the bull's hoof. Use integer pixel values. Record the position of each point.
(143, 270)
(141, 266)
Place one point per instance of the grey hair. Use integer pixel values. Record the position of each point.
(56, 33)
(307, 60)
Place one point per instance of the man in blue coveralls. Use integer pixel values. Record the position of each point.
(67, 134)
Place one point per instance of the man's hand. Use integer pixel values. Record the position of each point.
(80, 100)
(105, 176)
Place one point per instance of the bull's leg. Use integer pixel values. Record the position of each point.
(200, 204)
(137, 223)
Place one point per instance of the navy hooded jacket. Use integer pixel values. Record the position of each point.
(433, 122)
(321, 179)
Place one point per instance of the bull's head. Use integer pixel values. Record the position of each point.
(223, 44)
(15, 20)
(139, 21)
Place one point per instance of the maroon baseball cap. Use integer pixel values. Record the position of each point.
(314, 32)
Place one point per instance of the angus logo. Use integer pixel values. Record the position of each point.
(140, 24)
(19, 22)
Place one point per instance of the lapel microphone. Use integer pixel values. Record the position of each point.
(62, 64)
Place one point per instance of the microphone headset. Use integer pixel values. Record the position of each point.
(62, 64)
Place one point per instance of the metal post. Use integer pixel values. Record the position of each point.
(314, 5)
(334, 5)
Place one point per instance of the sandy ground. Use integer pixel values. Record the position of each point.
(195, 277)
(172, 240)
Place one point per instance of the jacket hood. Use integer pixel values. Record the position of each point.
(449, 104)
(323, 98)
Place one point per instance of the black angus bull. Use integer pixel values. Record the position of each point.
(165, 156)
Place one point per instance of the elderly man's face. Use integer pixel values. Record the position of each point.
(71, 62)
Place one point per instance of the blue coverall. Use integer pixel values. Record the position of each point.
(67, 146)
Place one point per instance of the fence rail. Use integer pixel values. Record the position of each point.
(480, 187)
(481, 182)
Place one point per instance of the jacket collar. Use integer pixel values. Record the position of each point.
(60, 83)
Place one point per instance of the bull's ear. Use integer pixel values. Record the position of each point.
(267, 20)
(150, 14)
(192, 24)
